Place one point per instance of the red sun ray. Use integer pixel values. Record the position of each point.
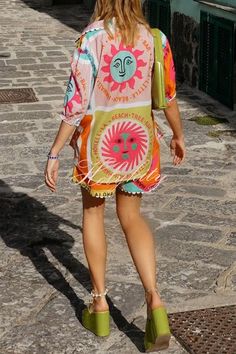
(108, 79)
(106, 143)
(123, 126)
(142, 150)
(107, 59)
(137, 52)
(109, 134)
(136, 161)
(132, 166)
(132, 83)
(122, 86)
(139, 158)
(106, 154)
(113, 50)
(114, 86)
(144, 144)
(143, 139)
(141, 63)
(118, 127)
(139, 74)
(106, 69)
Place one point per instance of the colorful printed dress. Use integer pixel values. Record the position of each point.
(108, 99)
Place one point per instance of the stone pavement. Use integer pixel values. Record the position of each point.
(44, 275)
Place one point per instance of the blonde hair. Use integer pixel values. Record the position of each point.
(128, 15)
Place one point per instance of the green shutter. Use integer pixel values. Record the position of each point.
(217, 57)
(160, 15)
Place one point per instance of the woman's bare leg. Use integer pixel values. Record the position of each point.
(140, 242)
(95, 246)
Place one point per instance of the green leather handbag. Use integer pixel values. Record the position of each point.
(158, 79)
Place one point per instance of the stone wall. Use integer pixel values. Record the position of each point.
(185, 46)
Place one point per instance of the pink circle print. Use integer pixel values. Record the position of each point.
(123, 146)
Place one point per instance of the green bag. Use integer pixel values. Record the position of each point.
(158, 80)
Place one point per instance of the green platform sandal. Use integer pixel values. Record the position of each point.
(96, 322)
(157, 330)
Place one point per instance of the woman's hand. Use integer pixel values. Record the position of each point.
(177, 146)
(51, 174)
(177, 149)
(52, 166)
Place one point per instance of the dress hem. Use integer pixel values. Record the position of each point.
(109, 194)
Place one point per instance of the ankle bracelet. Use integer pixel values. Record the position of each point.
(94, 295)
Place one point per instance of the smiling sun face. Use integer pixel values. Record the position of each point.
(124, 146)
(123, 67)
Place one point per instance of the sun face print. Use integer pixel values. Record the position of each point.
(124, 146)
(123, 67)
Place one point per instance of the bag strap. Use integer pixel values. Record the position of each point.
(159, 75)
(158, 45)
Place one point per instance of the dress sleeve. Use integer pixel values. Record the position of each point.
(169, 67)
(80, 84)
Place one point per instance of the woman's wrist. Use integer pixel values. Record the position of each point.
(54, 151)
(53, 154)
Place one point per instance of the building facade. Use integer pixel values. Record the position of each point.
(203, 40)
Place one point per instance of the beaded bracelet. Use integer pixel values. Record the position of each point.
(50, 157)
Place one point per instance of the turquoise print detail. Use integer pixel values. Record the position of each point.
(87, 57)
(93, 33)
(130, 187)
(123, 66)
(70, 92)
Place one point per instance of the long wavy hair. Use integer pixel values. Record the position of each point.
(128, 15)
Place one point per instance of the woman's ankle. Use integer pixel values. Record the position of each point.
(153, 298)
(100, 304)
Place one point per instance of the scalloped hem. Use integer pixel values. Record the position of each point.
(109, 194)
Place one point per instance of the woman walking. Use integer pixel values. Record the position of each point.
(108, 115)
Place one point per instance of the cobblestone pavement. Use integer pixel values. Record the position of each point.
(44, 276)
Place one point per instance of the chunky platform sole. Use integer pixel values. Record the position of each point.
(157, 331)
(161, 343)
(96, 322)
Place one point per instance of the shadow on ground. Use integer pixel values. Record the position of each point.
(71, 15)
(27, 226)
